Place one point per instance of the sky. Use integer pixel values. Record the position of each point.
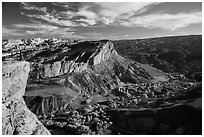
(100, 20)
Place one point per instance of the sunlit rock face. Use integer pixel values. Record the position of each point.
(17, 119)
(76, 58)
(71, 59)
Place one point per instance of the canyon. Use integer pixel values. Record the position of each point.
(90, 87)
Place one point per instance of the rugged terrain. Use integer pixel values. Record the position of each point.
(87, 87)
(17, 119)
(181, 54)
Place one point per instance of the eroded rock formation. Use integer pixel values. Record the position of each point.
(17, 119)
(75, 58)
(72, 74)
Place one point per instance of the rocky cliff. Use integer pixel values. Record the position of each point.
(70, 59)
(17, 119)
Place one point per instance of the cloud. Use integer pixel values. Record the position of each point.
(82, 16)
(129, 14)
(46, 30)
(61, 4)
(8, 32)
(114, 9)
(87, 22)
(66, 15)
(89, 14)
(86, 13)
(36, 26)
(29, 6)
(45, 15)
(52, 19)
(111, 12)
(165, 21)
(91, 33)
(107, 20)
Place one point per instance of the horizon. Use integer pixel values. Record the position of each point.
(115, 39)
(96, 21)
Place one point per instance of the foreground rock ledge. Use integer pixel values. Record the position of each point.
(17, 119)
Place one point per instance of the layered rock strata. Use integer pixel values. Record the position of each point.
(72, 59)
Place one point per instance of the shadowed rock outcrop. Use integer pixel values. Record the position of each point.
(17, 119)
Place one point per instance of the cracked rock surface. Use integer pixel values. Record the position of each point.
(17, 119)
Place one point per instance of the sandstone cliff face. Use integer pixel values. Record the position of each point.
(17, 119)
(73, 59)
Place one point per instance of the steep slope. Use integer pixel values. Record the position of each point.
(75, 58)
(17, 119)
